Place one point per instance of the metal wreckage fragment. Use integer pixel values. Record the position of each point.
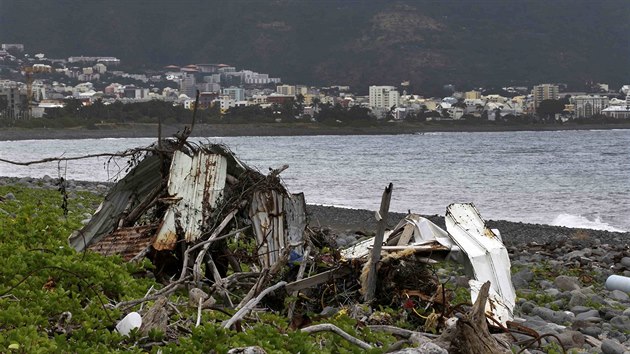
(176, 204)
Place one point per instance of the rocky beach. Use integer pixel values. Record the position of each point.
(559, 273)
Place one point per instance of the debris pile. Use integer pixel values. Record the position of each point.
(237, 241)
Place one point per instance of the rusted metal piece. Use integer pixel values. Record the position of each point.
(126, 242)
(199, 181)
(267, 215)
(129, 192)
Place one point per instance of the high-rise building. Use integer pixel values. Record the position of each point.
(235, 93)
(187, 85)
(287, 90)
(545, 92)
(383, 97)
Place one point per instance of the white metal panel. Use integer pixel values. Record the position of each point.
(199, 182)
(488, 257)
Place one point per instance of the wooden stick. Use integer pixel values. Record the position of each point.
(300, 275)
(250, 304)
(370, 286)
(332, 328)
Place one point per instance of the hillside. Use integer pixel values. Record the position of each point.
(342, 42)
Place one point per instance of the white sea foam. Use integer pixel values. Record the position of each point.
(578, 221)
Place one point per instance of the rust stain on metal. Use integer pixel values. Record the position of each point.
(126, 242)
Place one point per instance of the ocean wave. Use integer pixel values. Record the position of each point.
(579, 221)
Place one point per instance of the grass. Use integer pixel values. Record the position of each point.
(41, 278)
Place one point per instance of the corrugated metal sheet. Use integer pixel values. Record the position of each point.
(488, 257)
(126, 242)
(412, 232)
(295, 212)
(267, 215)
(198, 183)
(125, 195)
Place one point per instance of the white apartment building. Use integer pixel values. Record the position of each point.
(383, 97)
(545, 92)
(587, 105)
(286, 90)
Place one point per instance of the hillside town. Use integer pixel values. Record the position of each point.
(31, 85)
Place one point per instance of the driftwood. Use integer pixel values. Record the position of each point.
(156, 317)
(471, 335)
(251, 304)
(369, 288)
(300, 275)
(327, 327)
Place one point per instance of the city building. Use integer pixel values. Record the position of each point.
(588, 105)
(383, 97)
(287, 90)
(187, 85)
(472, 95)
(235, 93)
(545, 92)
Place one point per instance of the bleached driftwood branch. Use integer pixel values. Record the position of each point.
(251, 304)
(332, 328)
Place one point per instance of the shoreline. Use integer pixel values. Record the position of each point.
(342, 221)
(281, 129)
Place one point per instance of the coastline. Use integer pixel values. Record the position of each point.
(280, 129)
(347, 221)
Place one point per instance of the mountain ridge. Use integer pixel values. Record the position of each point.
(339, 42)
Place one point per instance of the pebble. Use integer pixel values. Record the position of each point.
(619, 295)
(567, 283)
(9, 196)
(611, 346)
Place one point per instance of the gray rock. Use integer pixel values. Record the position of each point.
(592, 331)
(625, 261)
(579, 309)
(47, 178)
(611, 346)
(9, 196)
(578, 299)
(528, 307)
(567, 283)
(572, 339)
(621, 322)
(626, 312)
(546, 284)
(522, 278)
(558, 317)
(552, 292)
(584, 316)
(619, 295)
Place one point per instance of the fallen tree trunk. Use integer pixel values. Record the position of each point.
(471, 334)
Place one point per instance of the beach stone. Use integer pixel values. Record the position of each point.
(9, 196)
(584, 316)
(625, 261)
(579, 309)
(619, 295)
(626, 312)
(552, 292)
(522, 278)
(567, 283)
(558, 317)
(592, 331)
(611, 346)
(545, 284)
(621, 322)
(572, 339)
(528, 307)
(578, 299)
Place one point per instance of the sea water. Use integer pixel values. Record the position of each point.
(567, 178)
